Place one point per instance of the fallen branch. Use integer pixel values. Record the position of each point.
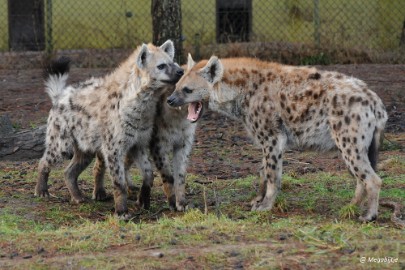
(396, 215)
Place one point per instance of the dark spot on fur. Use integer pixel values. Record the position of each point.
(308, 93)
(347, 120)
(314, 76)
(334, 101)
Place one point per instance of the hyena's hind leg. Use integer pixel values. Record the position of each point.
(44, 168)
(77, 165)
(359, 151)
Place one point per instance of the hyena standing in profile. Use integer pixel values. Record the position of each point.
(292, 106)
(109, 116)
(170, 145)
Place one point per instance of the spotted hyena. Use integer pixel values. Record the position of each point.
(292, 106)
(108, 116)
(171, 143)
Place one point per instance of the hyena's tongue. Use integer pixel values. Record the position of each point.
(194, 110)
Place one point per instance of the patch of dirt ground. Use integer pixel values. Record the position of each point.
(24, 100)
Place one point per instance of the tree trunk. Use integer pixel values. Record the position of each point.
(166, 23)
(23, 145)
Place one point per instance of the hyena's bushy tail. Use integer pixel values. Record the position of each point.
(377, 137)
(56, 74)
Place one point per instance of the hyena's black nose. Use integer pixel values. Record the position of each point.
(171, 100)
(180, 72)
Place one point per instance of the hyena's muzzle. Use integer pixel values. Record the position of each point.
(195, 108)
(174, 73)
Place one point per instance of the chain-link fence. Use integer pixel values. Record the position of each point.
(54, 25)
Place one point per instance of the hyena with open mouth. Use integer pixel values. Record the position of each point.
(284, 106)
(170, 145)
(109, 116)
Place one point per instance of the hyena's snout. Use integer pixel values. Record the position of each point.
(174, 100)
(176, 73)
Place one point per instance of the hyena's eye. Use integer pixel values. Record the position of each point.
(187, 90)
(161, 66)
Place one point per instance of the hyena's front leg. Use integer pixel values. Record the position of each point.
(99, 193)
(142, 158)
(77, 165)
(115, 163)
(180, 158)
(132, 189)
(160, 152)
(271, 175)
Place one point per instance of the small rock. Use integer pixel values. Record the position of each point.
(7, 176)
(40, 250)
(137, 237)
(280, 251)
(173, 242)
(282, 237)
(27, 256)
(12, 255)
(122, 236)
(158, 254)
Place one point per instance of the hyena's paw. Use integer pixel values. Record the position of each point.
(100, 195)
(42, 193)
(123, 216)
(261, 203)
(181, 205)
(368, 218)
(77, 199)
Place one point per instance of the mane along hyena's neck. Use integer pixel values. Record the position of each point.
(244, 79)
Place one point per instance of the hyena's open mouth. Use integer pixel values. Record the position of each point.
(195, 110)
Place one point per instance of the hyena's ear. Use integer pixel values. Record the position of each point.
(168, 47)
(142, 56)
(190, 62)
(213, 70)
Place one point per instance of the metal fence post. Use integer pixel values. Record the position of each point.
(317, 24)
(49, 41)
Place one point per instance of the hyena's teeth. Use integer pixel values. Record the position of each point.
(179, 108)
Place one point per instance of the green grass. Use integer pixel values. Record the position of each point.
(312, 222)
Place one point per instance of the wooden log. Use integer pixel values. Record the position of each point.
(23, 145)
